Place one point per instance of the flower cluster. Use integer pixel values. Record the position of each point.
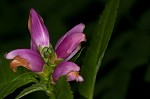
(41, 54)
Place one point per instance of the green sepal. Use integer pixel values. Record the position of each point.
(52, 58)
(46, 52)
(59, 60)
(45, 73)
(51, 47)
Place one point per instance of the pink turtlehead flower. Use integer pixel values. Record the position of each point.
(70, 69)
(30, 58)
(69, 44)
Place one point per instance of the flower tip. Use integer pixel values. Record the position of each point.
(82, 25)
(79, 79)
(74, 76)
(79, 28)
(8, 56)
(32, 11)
(83, 38)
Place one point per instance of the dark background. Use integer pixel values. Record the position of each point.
(125, 70)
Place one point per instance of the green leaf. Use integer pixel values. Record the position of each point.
(33, 88)
(97, 49)
(63, 89)
(12, 85)
(6, 73)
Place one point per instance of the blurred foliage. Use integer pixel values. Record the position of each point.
(125, 69)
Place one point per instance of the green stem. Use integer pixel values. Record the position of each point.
(50, 92)
(52, 96)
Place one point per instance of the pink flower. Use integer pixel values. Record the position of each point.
(69, 44)
(38, 31)
(70, 69)
(30, 58)
(26, 58)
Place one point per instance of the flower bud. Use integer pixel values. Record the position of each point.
(38, 31)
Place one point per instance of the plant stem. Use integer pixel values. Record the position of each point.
(52, 96)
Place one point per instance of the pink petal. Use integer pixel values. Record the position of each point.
(77, 29)
(70, 45)
(64, 68)
(79, 79)
(27, 58)
(33, 46)
(74, 76)
(73, 53)
(38, 31)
